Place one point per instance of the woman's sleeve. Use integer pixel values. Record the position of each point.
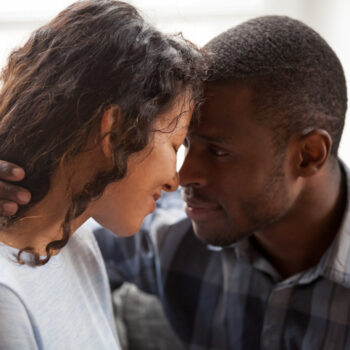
(16, 328)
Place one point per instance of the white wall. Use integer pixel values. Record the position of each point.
(199, 21)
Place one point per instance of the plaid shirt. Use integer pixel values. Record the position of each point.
(233, 298)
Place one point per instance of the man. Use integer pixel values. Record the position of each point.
(261, 179)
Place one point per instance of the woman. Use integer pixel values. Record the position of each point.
(94, 106)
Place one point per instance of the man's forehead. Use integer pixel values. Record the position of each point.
(227, 100)
(224, 106)
(212, 129)
(230, 86)
(214, 137)
(227, 114)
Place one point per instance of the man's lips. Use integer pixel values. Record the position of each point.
(200, 210)
(200, 204)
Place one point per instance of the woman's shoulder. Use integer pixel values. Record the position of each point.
(16, 328)
(81, 247)
(83, 240)
(14, 279)
(8, 263)
(83, 252)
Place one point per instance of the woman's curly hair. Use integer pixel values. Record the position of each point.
(95, 54)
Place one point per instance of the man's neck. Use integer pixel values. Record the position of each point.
(299, 240)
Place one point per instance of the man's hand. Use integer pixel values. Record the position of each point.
(11, 195)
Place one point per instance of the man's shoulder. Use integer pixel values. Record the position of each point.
(168, 218)
(164, 229)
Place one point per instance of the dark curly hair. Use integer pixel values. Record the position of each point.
(297, 78)
(94, 55)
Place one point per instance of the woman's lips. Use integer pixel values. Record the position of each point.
(156, 196)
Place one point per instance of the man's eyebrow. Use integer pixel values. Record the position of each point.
(212, 138)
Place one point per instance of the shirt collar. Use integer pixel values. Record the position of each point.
(334, 264)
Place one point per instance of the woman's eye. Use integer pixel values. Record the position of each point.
(217, 151)
(176, 149)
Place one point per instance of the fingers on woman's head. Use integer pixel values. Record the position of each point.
(10, 171)
(7, 209)
(12, 193)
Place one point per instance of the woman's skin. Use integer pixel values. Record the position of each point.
(128, 201)
(125, 203)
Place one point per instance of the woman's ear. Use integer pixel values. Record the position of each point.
(313, 150)
(109, 120)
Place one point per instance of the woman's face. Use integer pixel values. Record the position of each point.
(125, 203)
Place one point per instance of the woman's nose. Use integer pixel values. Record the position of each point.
(173, 184)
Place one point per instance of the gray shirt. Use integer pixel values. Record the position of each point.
(233, 298)
(64, 304)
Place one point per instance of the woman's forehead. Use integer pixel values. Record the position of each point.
(178, 116)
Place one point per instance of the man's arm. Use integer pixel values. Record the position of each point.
(11, 195)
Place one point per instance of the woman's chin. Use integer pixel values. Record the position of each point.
(125, 233)
(120, 229)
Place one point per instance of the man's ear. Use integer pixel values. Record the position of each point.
(313, 149)
(110, 119)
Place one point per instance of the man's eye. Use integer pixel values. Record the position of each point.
(217, 151)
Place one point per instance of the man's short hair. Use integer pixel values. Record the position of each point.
(298, 80)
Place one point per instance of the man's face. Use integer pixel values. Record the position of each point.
(234, 182)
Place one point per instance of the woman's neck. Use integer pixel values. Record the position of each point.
(42, 223)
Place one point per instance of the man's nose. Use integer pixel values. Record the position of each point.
(192, 172)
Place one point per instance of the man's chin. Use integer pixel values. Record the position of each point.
(118, 229)
(214, 236)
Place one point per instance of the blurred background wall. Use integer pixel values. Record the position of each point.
(199, 21)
